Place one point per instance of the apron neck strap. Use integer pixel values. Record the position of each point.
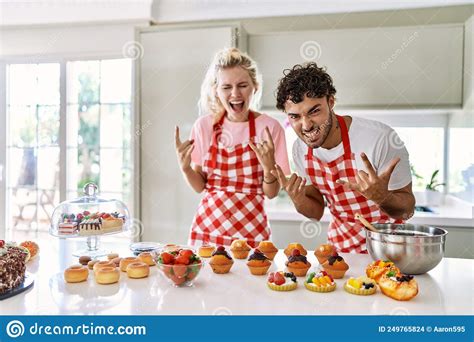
(345, 138)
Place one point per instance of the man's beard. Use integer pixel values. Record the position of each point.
(325, 127)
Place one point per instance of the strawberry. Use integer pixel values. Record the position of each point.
(221, 248)
(167, 258)
(177, 280)
(324, 273)
(271, 277)
(278, 279)
(295, 252)
(2, 243)
(182, 260)
(186, 253)
(179, 270)
(86, 213)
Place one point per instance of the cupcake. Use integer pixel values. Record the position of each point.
(240, 249)
(221, 262)
(258, 263)
(205, 251)
(282, 281)
(320, 282)
(324, 251)
(297, 263)
(362, 286)
(336, 266)
(268, 248)
(297, 246)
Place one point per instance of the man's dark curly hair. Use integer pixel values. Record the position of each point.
(307, 79)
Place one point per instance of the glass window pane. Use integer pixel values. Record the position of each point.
(22, 84)
(111, 163)
(48, 84)
(83, 80)
(461, 163)
(22, 121)
(22, 167)
(23, 203)
(48, 168)
(88, 166)
(48, 125)
(88, 133)
(116, 78)
(111, 126)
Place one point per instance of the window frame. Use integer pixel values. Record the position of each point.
(62, 61)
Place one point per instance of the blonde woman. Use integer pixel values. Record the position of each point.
(231, 154)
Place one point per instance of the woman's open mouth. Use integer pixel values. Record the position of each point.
(237, 106)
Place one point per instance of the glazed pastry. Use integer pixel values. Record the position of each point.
(362, 286)
(294, 245)
(398, 286)
(240, 249)
(90, 264)
(116, 261)
(324, 251)
(297, 263)
(112, 256)
(282, 281)
(107, 275)
(336, 266)
(32, 247)
(127, 261)
(258, 263)
(320, 282)
(137, 270)
(205, 251)
(76, 274)
(147, 258)
(268, 248)
(379, 267)
(221, 262)
(101, 264)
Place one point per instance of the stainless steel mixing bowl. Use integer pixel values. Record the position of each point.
(415, 249)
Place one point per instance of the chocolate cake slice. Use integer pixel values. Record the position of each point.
(12, 266)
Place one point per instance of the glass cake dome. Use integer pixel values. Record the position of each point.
(89, 216)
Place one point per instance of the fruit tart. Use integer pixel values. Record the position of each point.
(282, 281)
(221, 262)
(297, 263)
(240, 249)
(295, 245)
(336, 266)
(205, 251)
(379, 267)
(398, 286)
(362, 286)
(258, 263)
(320, 282)
(268, 248)
(323, 252)
(32, 247)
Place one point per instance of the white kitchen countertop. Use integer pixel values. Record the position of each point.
(447, 289)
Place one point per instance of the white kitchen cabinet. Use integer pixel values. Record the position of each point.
(170, 73)
(378, 67)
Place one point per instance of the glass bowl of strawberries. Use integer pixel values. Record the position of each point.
(180, 265)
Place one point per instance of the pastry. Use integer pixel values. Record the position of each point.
(221, 262)
(294, 245)
(362, 286)
(116, 261)
(323, 252)
(67, 228)
(320, 282)
(379, 267)
(398, 286)
(27, 253)
(76, 274)
(12, 266)
(240, 249)
(90, 264)
(84, 260)
(297, 263)
(268, 248)
(112, 256)
(336, 266)
(32, 247)
(258, 263)
(205, 251)
(126, 261)
(137, 270)
(282, 281)
(101, 264)
(147, 258)
(107, 275)
(86, 223)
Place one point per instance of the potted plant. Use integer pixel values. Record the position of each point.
(433, 196)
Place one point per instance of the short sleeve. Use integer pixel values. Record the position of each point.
(298, 155)
(197, 156)
(391, 147)
(281, 153)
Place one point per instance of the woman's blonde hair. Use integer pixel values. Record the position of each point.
(226, 58)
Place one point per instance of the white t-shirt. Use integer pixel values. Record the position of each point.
(380, 143)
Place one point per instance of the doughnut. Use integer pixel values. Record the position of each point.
(83, 260)
(125, 262)
(101, 264)
(91, 263)
(137, 270)
(107, 275)
(76, 274)
(147, 258)
(116, 261)
(112, 256)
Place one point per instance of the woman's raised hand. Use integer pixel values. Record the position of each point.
(183, 151)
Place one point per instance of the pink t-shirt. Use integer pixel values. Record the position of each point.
(234, 133)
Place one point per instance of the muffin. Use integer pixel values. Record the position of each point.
(295, 245)
(221, 262)
(282, 281)
(297, 263)
(205, 251)
(324, 251)
(258, 263)
(362, 286)
(320, 282)
(268, 248)
(240, 249)
(336, 266)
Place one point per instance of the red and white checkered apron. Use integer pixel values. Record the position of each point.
(233, 204)
(345, 232)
